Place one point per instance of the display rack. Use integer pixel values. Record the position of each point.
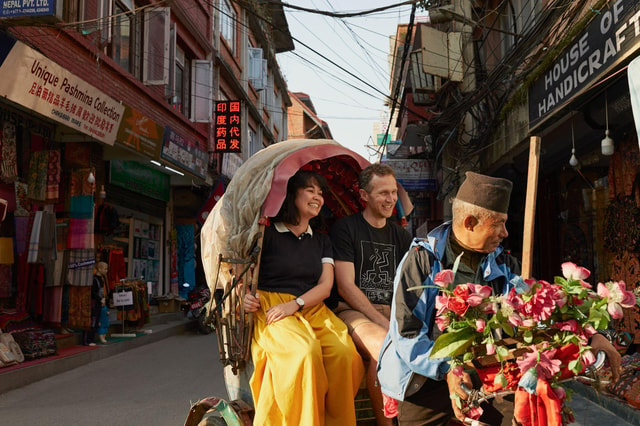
(122, 298)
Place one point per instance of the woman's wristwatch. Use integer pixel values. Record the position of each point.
(300, 303)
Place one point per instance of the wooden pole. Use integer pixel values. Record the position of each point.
(530, 206)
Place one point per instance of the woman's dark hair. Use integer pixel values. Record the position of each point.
(302, 179)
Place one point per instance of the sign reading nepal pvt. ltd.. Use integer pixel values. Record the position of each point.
(22, 8)
(612, 36)
(228, 127)
(30, 79)
(184, 153)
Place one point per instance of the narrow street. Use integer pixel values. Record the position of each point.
(150, 385)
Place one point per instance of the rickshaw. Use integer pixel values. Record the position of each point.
(231, 239)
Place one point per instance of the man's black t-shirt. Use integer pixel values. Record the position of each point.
(374, 252)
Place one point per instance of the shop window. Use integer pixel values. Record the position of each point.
(228, 20)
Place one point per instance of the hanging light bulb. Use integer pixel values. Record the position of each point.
(607, 144)
(91, 178)
(573, 161)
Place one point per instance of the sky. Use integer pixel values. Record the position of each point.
(361, 46)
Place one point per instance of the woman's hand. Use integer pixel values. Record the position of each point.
(251, 302)
(283, 310)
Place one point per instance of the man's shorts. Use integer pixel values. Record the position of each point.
(353, 318)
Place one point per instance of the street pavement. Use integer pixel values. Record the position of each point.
(156, 384)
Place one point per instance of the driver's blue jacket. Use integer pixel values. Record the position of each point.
(404, 362)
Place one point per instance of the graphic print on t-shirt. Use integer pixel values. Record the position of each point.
(376, 271)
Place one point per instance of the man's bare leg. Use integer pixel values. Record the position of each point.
(368, 339)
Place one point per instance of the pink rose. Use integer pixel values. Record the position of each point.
(443, 278)
(477, 293)
(588, 358)
(560, 392)
(442, 322)
(462, 291)
(491, 349)
(457, 305)
(571, 271)
(617, 297)
(442, 302)
(480, 324)
(390, 406)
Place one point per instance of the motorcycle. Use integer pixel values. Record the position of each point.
(196, 308)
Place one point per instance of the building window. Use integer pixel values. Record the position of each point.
(155, 69)
(122, 46)
(228, 19)
(182, 86)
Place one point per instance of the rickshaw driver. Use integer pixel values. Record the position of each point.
(367, 250)
(422, 385)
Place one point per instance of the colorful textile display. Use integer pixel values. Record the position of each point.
(117, 267)
(80, 307)
(36, 343)
(35, 225)
(77, 154)
(80, 234)
(9, 163)
(81, 264)
(80, 185)
(5, 281)
(627, 387)
(625, 266)
(21, 232)
(53, 304)
(6, 251)
(44, 175)
(81, 206)
(23, 207)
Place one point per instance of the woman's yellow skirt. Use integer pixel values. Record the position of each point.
(307, 369)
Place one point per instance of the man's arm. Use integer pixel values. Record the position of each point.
(349, 291)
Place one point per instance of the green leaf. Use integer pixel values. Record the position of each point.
(528, 336)
(502, 351)
(453, 343)
(468, 356)
(575, 366)
(457, 263)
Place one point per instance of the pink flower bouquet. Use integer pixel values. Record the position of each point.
(542, 328)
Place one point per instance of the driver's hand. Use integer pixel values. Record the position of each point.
(601, 343)
(454, 381)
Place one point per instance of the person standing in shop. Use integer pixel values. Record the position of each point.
(99, 309)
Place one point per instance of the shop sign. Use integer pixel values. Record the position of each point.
(612, 36)
(230, 164)
(25, 121)
(139, 132)
(228, 127)
(184, 153)
(35, 82)
(414, 175)
(26, 8)
(140, 178)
